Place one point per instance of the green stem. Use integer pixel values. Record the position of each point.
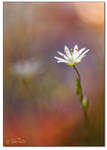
(81, 99)
(79, 78)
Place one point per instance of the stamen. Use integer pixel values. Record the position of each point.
(62, 56)
(71, 49)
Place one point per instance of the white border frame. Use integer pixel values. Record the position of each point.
(1, 77)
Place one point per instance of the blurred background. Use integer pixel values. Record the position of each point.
(40, 104)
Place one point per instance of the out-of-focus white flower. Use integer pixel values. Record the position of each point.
(26, 68)
(71, 58)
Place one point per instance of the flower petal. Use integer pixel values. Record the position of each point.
(67, 51)
(60, 59)
(85, 52)
(63, 56)
(76, 47)
(81, 50)
(81, 57)
(77, 54)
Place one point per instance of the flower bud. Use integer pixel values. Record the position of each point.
(85, 103)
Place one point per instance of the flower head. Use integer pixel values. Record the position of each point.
(26, 68)
(71, 57)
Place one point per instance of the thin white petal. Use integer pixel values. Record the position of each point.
(75, 52)
(78, 53)
(85, 52)
(78, 60)
(62, 55)
(60, 59)
(81, 57)
(76, 47)
(81, 50)
(67, 51)
(66, 48)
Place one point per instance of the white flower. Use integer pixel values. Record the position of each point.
(71, 58)
(26, 68)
